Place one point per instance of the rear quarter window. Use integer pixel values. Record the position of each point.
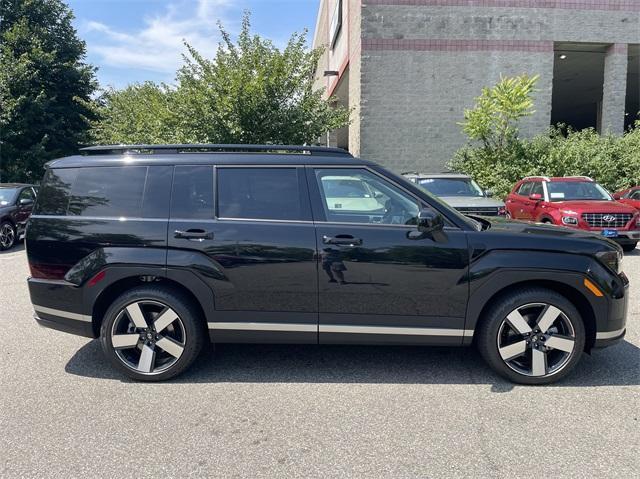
(55, 191)
(108, 191)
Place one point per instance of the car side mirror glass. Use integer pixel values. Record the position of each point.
(26, 202)
(535, 197)
(488, 193)
(430, 221)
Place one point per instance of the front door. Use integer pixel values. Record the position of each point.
(379, 280)
(251, 239)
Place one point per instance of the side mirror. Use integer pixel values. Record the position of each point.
(430, 221)
(616, 196)
(488, 193)
(26, 202)
(535, 197)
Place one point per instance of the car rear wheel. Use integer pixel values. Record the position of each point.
(152, 333)
(532, 336)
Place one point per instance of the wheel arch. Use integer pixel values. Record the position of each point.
(118, 287)
(577, 298)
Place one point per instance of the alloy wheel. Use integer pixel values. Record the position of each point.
(148, 337)
(536, 339)
(7, 236)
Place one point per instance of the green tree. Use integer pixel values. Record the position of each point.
(250, 92)
(45, 87)
(494, 119)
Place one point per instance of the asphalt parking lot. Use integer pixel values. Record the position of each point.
(332, 411)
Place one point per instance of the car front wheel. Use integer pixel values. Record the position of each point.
(532, 336)
(152, 333)
(628, 248)
(7, 235)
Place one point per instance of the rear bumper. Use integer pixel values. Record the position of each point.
(67, 325)
(58, 305)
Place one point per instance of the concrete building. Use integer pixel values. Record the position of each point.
(409, 68)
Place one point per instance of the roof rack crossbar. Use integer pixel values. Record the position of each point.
(214, 148)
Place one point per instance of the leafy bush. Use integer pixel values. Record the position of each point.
(611, 160)
(501, 158)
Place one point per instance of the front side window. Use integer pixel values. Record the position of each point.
(577, 191)
(27, 194)
(108, 191)
(525, 189)
(261, 193)
(359, 196)
(634, 195)
(452, 187)
(537, 189)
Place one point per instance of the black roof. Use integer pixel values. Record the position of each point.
(112, 155)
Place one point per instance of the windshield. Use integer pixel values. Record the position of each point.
(7, 196)
(577, 191)
(452, 187)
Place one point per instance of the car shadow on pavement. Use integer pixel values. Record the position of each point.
(249, 363)
(16, 249)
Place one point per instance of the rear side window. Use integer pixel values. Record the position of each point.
(157, 192)
(108, 191)
(54, 194)
(262, 193)
(192, 196)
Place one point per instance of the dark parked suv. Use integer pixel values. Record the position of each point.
(16, 203)
(157, 250)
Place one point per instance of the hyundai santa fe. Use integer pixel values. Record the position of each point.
(158, 250)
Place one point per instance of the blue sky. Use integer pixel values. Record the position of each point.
(137, 40)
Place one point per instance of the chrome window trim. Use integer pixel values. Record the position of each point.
(99, 218)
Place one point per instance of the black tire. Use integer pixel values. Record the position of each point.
(628, 248)
(546, 221)
(8, 235)
(186, 333)
(496, 329)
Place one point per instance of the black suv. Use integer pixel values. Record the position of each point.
(16, 203)
(158, 250)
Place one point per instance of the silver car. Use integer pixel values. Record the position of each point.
(460, 191)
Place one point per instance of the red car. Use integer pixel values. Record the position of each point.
(576, 202)
(630, 196)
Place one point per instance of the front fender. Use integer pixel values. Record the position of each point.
(488, 276)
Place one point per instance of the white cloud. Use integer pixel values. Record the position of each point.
(158, 46)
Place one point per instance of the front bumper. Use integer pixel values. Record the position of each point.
(609, 338)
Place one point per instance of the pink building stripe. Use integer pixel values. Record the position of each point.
(616, 5)
(370, 44)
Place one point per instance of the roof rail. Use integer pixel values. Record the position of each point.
(580, 176)
(537, 177)
(213, 148)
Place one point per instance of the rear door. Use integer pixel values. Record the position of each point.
(247, 232)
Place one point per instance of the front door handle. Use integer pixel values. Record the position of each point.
(345, 240)
(193, 234)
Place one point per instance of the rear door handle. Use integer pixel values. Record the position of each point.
(193, 234)
(346, 240)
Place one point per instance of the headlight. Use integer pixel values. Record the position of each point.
(611, 259)
(569, 220)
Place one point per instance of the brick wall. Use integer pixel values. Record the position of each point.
(424, 61)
